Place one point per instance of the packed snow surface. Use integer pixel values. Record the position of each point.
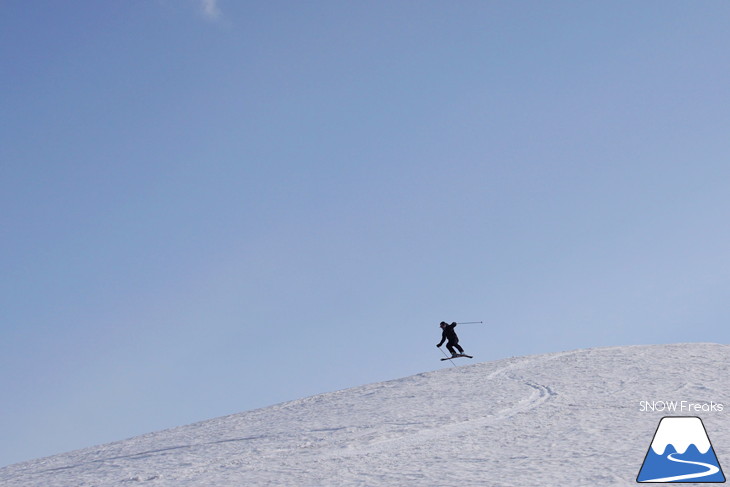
(564, 419)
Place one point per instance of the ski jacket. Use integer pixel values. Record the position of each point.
(449, 334)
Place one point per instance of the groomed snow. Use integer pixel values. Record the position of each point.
(563, 419)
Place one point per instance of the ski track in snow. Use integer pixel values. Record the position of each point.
(562, 419)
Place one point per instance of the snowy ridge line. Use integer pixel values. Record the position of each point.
(539, 394)
(480, 424)
(525, 362)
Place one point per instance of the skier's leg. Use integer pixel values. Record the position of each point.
(450, 347)
(458, 347)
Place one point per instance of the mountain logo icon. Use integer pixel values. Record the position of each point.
(681, 452)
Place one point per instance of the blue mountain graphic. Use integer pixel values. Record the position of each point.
(661, 466)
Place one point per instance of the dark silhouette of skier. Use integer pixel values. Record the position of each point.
(448, 335)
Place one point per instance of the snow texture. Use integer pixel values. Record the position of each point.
(563, 419)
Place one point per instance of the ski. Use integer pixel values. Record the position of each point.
(457, 356)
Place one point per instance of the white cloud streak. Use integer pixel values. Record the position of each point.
(210, 9)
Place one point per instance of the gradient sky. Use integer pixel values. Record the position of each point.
(214, 206)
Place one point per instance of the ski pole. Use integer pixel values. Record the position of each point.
(468, 322)
(452, 362)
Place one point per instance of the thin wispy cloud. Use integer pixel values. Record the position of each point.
(210, 9)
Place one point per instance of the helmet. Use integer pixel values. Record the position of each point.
(442, 324)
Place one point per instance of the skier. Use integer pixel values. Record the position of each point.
(449, 334)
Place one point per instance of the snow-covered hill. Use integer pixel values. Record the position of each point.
(564, 419)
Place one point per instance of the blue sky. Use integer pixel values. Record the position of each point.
(214, 206)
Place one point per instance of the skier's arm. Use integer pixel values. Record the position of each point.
(443, 339)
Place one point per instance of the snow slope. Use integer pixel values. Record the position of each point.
(563, 419)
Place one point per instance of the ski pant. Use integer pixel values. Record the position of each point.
(451, 345)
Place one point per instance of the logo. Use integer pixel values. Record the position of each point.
(681, 452)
